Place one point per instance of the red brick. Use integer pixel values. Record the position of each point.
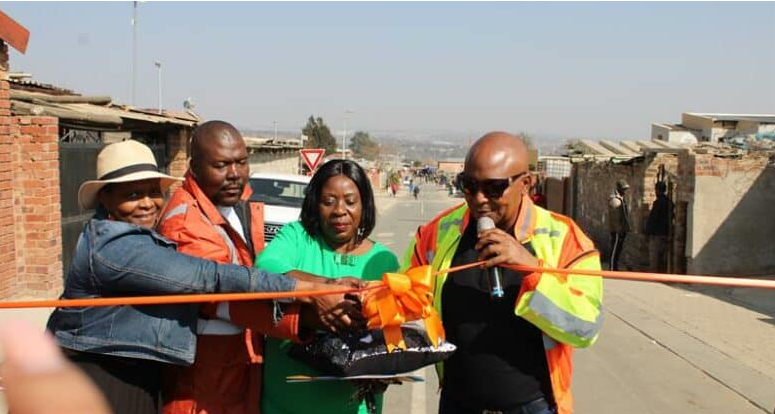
(24, 120)
(44, 120)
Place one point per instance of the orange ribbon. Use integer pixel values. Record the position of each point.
(405, 297)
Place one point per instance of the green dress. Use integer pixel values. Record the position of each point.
(294, 249)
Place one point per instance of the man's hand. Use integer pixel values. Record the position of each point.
(498, 247)
(347, 281)
(334, 313)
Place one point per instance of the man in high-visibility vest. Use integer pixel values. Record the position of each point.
(514, 353)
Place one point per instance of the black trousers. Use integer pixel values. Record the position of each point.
(131, 386)
(617, 242)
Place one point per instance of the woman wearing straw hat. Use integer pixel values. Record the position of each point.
(122, 348)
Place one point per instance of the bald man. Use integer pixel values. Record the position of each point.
(211, 216)
(513, 350)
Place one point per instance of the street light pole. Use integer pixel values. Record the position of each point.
(158, 66)
(344, 136)
(134, 51)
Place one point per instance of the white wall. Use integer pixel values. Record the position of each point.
(287, 165)
(733, 222)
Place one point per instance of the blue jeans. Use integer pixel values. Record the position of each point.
(447, 405)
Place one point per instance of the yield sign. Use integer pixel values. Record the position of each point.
(312, 157)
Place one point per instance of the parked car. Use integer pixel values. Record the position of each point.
(282, 195)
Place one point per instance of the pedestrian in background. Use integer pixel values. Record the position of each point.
(658, 228)
(618, 222)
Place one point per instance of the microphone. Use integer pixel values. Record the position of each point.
(494, 273)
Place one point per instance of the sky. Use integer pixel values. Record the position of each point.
(554, 70)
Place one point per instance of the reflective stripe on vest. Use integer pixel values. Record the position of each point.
(575, 318)
(217, 326)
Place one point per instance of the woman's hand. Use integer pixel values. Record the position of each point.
(335, 313)
(347, 281)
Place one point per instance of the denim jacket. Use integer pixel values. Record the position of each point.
(114, 258)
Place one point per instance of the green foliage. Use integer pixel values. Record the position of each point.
(319, 135)
(363, 146)
(394, 178)
(527, 138)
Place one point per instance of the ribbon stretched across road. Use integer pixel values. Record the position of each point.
(227, 297)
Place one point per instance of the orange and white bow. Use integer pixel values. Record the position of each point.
(405, 297)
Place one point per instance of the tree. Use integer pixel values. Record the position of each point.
(318, 134)
(363, 146)
(527, 138)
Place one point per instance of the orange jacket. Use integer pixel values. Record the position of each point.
(225, 376)
(557, 241)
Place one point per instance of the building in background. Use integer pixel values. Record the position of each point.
(554, 166)
(450, 166)
(723, 219)
(702, 127)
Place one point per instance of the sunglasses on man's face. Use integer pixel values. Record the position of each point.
(492, 188)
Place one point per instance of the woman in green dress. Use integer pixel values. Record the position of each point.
(330, 239)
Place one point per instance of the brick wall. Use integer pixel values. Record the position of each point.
(7, 242)
(595, 183)
(30, 221)
(37, 206)
(178, 151)
(732, 219)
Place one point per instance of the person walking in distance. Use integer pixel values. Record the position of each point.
(658, 228)
(618, 222)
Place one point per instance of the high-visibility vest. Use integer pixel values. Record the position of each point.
(567, 308)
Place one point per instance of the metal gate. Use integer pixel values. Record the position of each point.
(78, 151)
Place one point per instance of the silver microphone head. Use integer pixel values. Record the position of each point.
(484, 223)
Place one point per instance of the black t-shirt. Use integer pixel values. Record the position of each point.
(500, 361)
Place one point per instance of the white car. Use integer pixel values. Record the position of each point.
(282, 195)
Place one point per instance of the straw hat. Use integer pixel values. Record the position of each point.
(119, 163)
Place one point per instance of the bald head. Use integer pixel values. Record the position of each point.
(496, 178)
(210, 131)
(496, 151)
(219, 162)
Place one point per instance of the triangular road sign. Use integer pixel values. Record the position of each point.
(312, 157)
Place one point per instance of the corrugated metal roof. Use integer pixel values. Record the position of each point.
(35, 101)
(123, 113)
(766, 118)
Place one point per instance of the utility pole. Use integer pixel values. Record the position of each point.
(134, 51)
(158, 66)
(344, 136)
(275, 130)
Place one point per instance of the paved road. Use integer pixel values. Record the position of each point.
(396, 224)
(663, 349)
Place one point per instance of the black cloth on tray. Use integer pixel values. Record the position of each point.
(365, 353)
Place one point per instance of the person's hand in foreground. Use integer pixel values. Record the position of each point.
(39, 380)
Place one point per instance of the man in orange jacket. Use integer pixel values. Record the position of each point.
(211, 216)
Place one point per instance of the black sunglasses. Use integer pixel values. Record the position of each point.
(492, 188)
